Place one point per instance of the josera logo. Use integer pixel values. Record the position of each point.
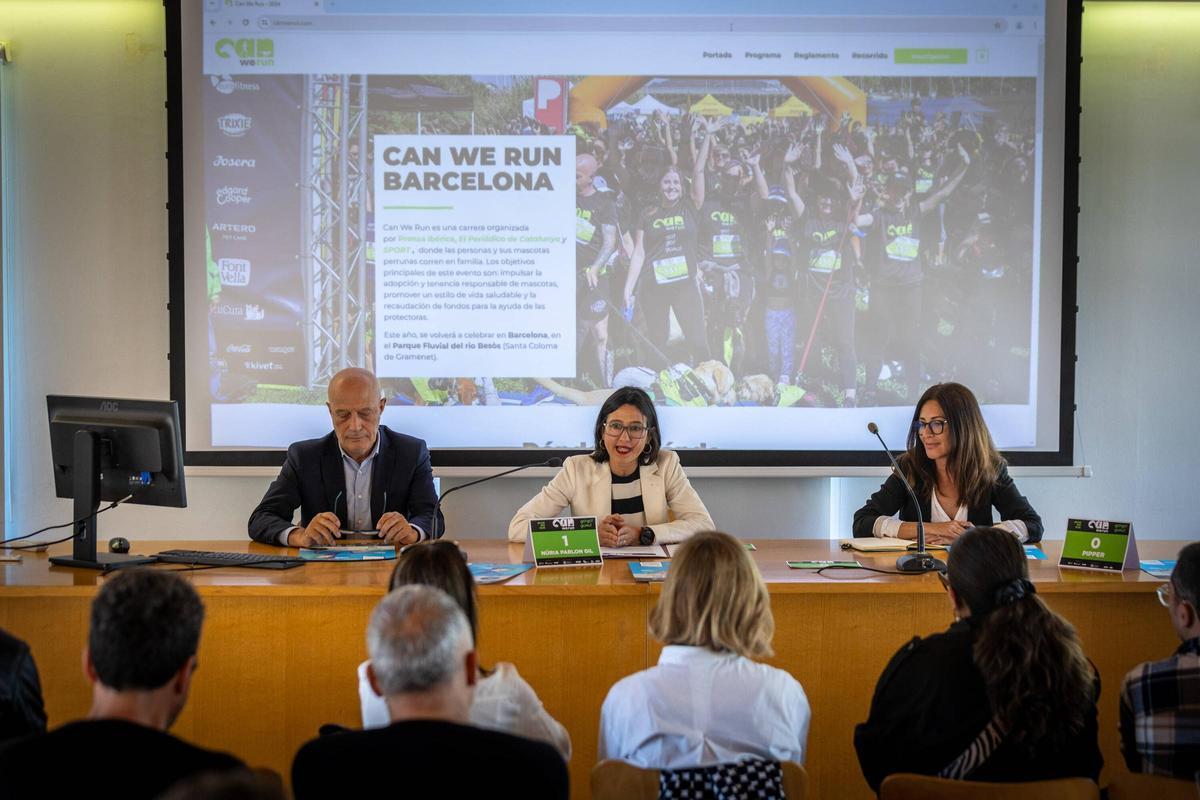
(234, 271)
(248, 52)
(235, 125)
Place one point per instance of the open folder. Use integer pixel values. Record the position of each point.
(886, 544)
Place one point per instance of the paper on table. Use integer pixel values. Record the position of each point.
(671, 548)
(633, 551)
(885, 544)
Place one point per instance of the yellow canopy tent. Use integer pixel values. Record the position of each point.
(710, 106)
(792, 107)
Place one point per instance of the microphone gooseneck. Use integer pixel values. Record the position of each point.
(551, 462)
(920, 561)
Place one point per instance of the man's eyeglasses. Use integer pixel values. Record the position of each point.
(935, 426)
(635, 431)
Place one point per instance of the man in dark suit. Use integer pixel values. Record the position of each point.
(423, 664)
(360, 477)
(140, 660)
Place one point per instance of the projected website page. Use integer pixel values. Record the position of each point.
(780, 225)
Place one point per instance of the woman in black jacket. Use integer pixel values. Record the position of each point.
(956, 472)
(1004, 694)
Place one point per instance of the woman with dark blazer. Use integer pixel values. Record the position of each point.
(956, 472)
(1004, 694)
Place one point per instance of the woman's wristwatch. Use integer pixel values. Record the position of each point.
(647, 537)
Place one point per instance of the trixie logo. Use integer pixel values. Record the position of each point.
(226, 84)
(248, 52)
(238, 348)
(222, 161)
(234, 271)
(233, 195)
(235, 125)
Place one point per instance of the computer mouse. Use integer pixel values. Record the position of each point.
(118, 544)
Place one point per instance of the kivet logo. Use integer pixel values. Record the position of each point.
(235, 125)
(248, 52)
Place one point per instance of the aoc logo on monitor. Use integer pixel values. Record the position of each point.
(234, 271)
(248, 52)
(109, 405)
(235, 125)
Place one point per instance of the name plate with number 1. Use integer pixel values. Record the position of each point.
(1099, 544)
(564, 542)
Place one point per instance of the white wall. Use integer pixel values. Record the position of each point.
(88, 290)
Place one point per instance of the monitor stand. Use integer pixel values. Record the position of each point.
(87, 501)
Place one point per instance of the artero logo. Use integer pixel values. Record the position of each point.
(248, 52)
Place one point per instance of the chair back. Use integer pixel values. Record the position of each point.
(619, 780)
(924, 787)
(1134, 786)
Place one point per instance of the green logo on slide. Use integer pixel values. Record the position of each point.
(248, 52)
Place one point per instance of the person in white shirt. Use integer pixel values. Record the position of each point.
(637, 491)
(707, 702)
(502, 701)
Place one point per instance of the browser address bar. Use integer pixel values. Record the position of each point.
(452, 23)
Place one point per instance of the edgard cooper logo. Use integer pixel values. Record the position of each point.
(248, 52)
(235, 195)
(235, 125)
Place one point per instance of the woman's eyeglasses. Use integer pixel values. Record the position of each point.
(1164, 594)
(935, 426)
(408, 548)
(615, 429)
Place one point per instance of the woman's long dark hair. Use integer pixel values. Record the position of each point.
(1039, 683)
(442, 565)
(973, 462)
(629, 396)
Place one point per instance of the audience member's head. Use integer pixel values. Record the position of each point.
(442, 565)
(714, 597)
(422, 656)
(1039, 682)
(145, 630)
(1184, 597)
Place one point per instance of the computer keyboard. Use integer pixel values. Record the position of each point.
(211, 558)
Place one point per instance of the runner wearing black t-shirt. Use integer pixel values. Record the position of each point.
(895, 243)
(595, 242)
(664, 240)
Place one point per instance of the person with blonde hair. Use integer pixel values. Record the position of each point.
(707, 702)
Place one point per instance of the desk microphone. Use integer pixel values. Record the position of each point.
(919, 561)
(553, 462)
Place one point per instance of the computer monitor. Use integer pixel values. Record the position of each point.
(110, 449)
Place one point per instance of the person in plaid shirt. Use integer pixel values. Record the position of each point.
(1160, 700)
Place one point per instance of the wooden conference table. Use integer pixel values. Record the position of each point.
(280, 648)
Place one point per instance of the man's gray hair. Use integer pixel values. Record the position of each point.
(416, 638)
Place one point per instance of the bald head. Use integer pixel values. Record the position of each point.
(353, 379)
(585, 168)
(355, 406)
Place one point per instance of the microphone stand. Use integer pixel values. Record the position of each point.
(434, 534)
(920, 561)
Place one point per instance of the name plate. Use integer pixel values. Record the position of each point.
(1099, 544)
(563, 542)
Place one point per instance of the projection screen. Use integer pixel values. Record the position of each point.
(782, 219)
